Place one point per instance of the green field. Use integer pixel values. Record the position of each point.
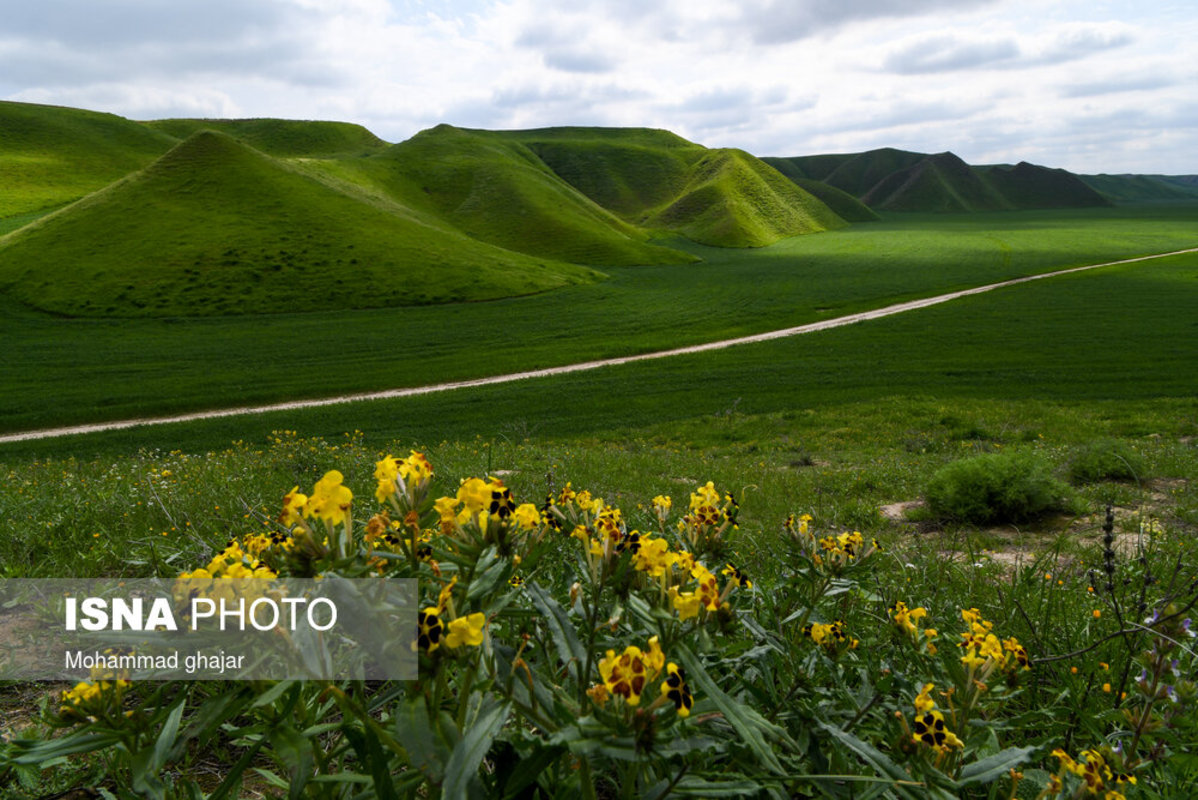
(834, 424)
(81, 370)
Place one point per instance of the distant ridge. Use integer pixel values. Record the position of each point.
(1144, 188)
(217, 227)
(897, 180)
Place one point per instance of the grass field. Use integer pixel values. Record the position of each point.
(75, 370)
(834, 424)
(1118, 336)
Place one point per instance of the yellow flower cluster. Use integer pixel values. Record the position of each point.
(407, 477)
(709, 516)
(929, 727)
(984, 651)
(830, 636)
(330, 501)
(905, 619)
(88, 696)
(690, 587)
(433, 631)
(482, 502)
(829, 553)
(234, 562)
(629, 674)
(1096, 775)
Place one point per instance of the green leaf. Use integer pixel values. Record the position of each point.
(992, 767)
(169, 731)
(751, 726)
(425, 748)
(370, 753)
(272, 694)
(145, 779)
(904, 786)
(695, 786)
(271, 778)
(529, 768)
(470, 751)
(569, 648)
(491, 571)
(37, 751)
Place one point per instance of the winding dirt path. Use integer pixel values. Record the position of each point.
(798, 330)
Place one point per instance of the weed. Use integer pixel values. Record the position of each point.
(995, 488)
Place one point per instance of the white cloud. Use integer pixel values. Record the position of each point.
(998, 80)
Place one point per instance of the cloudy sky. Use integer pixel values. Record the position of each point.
(1089, 85)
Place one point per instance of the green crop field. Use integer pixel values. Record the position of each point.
(1119, 336)
(80, 370)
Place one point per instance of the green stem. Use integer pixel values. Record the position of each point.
(586, 779)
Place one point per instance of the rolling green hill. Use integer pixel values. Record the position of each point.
(655, 179)
(1029, 186)
(283, 137)
(847, 207)
(495, 189)
(942, 182)
(1142, 188)
(216, 227)
(898, 180)
(51, 155)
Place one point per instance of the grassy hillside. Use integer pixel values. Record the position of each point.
(859, 173)
(734, 200)
(215, 227)
(283, 137)
(1029, 186)
(51, 155)
(942, 182)
(496, 190)
(722, 197)
(846, 206)
(1141, 188)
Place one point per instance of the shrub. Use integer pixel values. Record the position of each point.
(993, 488)
(1105, 460)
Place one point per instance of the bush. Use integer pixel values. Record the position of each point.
(994, 488)
(1105, 460)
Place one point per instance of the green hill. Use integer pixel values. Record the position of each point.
(657, 180)
(734, 200)
(51, 155)
(846, 206)
(497, 190)
(216, 227)
(1029, 186)
(898, 180)
(283, 137)
(941, 182)
(1143, 188)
